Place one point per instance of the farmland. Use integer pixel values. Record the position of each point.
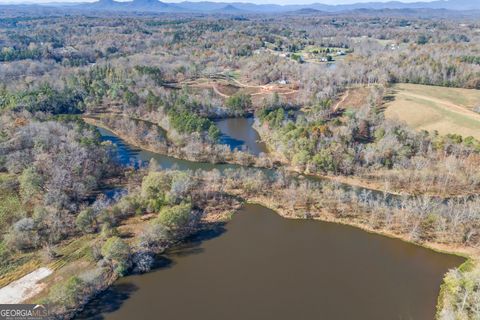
(440, 109)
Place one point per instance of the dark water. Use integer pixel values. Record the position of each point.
(239, 134)
(261, 266)
(130, 155)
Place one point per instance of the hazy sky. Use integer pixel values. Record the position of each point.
(252, 1)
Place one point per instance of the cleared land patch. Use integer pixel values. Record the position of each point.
(25, 287)
(446, 110)
(353, 98)
(228, 86)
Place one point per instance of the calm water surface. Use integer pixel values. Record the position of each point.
(238, 133)
(261, 266)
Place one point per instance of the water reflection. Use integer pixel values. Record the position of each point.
(238, 133)
(261, 266)
(107, 302)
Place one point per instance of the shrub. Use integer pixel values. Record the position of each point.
(23, 235)
(153, 236)
(67, 294)
(4, 253)
(143, 262)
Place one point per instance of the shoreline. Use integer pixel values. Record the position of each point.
(277, 163)
(349, 181)
(464, 252)
(356, 181)
(353, 181)
(469, 254)
(225, 217)
(177, 156)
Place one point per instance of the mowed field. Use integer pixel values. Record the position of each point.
(447, 110)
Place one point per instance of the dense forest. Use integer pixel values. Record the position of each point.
(317, 87)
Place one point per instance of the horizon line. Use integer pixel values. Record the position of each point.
(41, 2)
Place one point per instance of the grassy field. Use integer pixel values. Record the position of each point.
(446, 110)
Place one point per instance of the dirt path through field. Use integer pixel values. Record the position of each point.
(215, 89)
(262, 89)
(345, 96)
(244, 85)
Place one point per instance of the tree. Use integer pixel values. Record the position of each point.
(155, 184)
(143, 261)
(239, 102)
(131, 98)
(214, 133)
(86, 221)
(153, 237)
(175, 217)
(324, 161)
(422, 39)
(181, 186)
(153, 72)
(117, 252)
(30, 183)
(23, 235)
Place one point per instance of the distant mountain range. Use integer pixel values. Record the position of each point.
(135, 5)
(243, 7)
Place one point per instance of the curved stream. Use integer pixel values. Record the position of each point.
(131, 155)
(262, 266)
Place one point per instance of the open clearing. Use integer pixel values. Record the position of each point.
(228, 86)
(446, 110)
(24, 288)
(353, 98)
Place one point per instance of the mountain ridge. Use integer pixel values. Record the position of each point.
(245, 6)
(230, 7)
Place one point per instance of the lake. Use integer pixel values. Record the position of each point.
(262, 266)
